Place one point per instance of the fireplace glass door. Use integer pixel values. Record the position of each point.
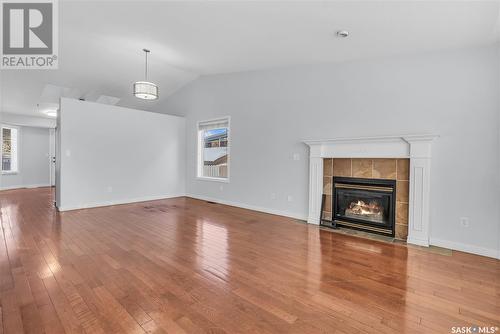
(364, 203)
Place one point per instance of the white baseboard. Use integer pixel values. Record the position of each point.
(489, 252)
(249, 207)
(116, 202)
(313, 220)
(418, 242)
(25, 186)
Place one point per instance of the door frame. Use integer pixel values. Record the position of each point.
(52, 156)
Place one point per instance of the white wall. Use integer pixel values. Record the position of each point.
(115, 155)
(498, 134)
(33, 163)
(25, 120)
(453, 94)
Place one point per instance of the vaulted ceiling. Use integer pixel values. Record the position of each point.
(101, 42)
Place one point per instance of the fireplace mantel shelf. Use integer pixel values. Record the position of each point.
(416, 147)
(393, 138)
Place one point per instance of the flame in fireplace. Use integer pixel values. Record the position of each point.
(361, 208)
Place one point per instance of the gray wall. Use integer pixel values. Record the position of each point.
(111, 155)
(453, 94)
(34, 167)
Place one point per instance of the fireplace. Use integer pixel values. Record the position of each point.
(336, 157)
(364, 204)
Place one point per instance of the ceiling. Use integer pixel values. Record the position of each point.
(101, 42)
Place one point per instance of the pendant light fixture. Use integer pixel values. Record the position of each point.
(144, 89)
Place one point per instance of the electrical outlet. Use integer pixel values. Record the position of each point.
(464, 221)
(273, 196)
(289, 198)
(221, 187)
(110, 189)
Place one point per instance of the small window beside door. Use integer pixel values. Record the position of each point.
(213, 149)
(9, 149)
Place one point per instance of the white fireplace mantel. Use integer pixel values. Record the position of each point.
(415, 147)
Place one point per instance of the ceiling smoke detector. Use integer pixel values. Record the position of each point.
(342, 33)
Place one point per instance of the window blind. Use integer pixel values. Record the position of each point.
(214, 124)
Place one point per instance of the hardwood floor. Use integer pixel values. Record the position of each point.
(187, 266)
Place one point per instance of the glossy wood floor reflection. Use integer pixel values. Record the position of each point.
(187, 266)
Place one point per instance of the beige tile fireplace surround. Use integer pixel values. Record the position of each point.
(390, 169)
(378, 157)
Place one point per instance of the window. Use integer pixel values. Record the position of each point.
(9, 149)
(213, 149)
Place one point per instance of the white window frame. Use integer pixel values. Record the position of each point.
(18, 133)
(199, 151)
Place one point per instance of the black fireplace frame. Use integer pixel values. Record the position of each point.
(373, 185)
